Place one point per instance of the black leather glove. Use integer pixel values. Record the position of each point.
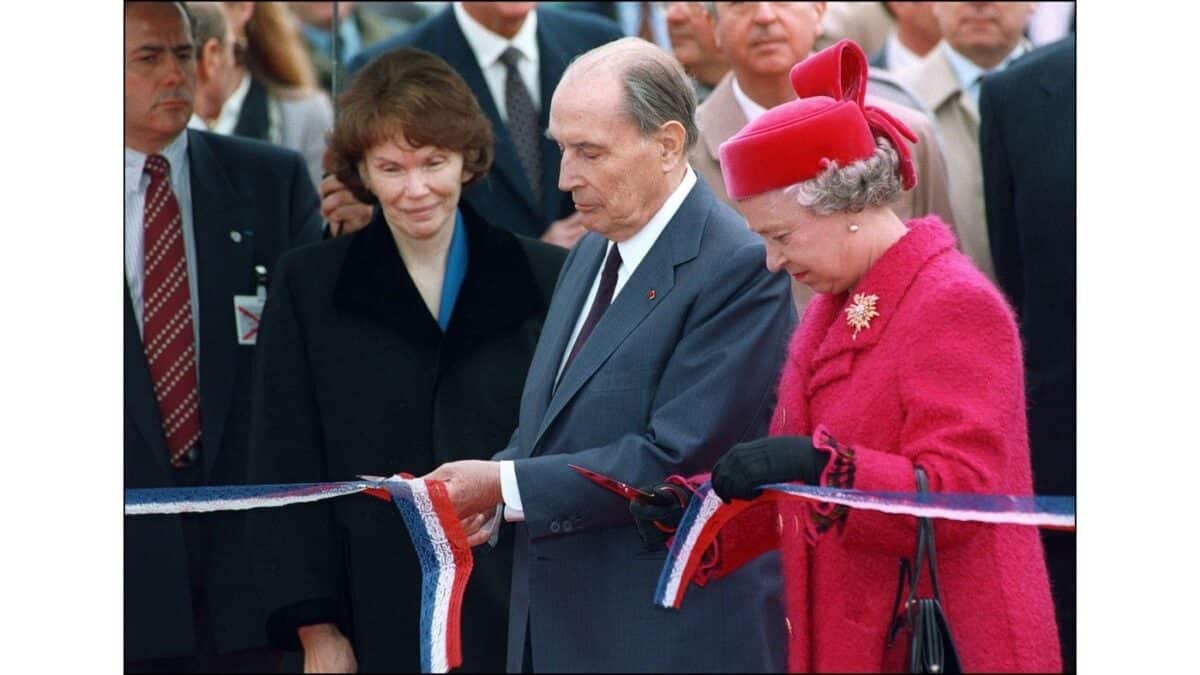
(778, 459)
(656, 520)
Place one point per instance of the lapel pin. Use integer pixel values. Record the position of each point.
(650, 295)
(860, 312)
(235, 236)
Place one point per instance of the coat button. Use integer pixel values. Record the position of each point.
(554, 526)
(567, 526)
(193, 453)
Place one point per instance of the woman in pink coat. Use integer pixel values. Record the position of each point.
(907, 357)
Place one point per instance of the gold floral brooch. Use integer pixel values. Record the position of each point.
(860, 312)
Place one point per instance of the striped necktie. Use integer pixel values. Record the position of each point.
(167, 335)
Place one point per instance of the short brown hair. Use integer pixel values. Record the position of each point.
(411, 93)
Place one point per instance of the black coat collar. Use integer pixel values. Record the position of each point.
(498, 292)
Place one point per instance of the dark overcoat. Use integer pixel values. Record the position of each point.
(250, 202)
(356, 377)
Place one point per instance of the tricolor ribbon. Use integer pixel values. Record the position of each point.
(707, 514)
(436, 533)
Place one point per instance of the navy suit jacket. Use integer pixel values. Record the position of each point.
(265, 195)
(504, 197)
(1027, 141)
(682, 366)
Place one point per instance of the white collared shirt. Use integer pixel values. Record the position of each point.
(968, 73)
(136, 184)
(228, 119)
(898, 56)
(488, 46)
(633, 251)
(750, 109)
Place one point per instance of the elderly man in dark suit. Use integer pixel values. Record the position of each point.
(1027, 138)
(201, 211)
(660, 349)
(512, 56)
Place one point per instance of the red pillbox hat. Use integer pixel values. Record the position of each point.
(795, 141)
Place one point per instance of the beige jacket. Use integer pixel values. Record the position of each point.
(720, 117)
(932, 79)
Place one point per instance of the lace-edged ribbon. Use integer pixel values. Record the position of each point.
(707, 514)
(437, 536)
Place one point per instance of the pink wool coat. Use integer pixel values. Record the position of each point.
(936, 381)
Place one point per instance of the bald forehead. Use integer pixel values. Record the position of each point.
(158, 16)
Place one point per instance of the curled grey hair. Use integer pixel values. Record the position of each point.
(874, 181)
(657, 91)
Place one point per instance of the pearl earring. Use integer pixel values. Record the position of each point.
(853, 227)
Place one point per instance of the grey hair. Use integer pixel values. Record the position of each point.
(656, 92)
(870, 182)
(208, 22)
(656, 88)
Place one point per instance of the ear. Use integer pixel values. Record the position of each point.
(819, 8)
(467, 176)
(210, 54)
(672, 139)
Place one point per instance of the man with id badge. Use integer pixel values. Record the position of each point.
(206, 217)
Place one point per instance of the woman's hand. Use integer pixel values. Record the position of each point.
(778, 459)
(326, 650)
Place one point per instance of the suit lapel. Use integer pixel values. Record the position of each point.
(721, 118)
(223, 266)
(459, 55)
(560, 323)
(679, 243)
(140, 404)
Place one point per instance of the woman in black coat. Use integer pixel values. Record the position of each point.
(395, 349)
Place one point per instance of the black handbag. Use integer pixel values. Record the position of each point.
(930, 648)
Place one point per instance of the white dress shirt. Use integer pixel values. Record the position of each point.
(970, 75)
(898, 56)
(232, 110)
(136, 184)
(488, 46)
(633, 251)
(750, 109)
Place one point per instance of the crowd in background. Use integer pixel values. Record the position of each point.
(987, 88)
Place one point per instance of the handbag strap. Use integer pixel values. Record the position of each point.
(925, 544)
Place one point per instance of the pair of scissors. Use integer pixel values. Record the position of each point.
(625, 490)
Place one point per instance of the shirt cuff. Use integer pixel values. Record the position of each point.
(513, 511)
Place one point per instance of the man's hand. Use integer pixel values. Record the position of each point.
(565, 232)
(326, 650)
(340, 209)
(473, 484)
(479, 527)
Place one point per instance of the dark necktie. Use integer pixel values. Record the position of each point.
(523, 121)
(604, 294)
(167, 336)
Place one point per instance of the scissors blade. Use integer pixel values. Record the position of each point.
(615, 486)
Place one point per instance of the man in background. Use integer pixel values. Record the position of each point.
(1027, 139)
(201, 212)
(978, 38)
(511, 55)
(915, 32)
(762, 41)
(695, 46)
